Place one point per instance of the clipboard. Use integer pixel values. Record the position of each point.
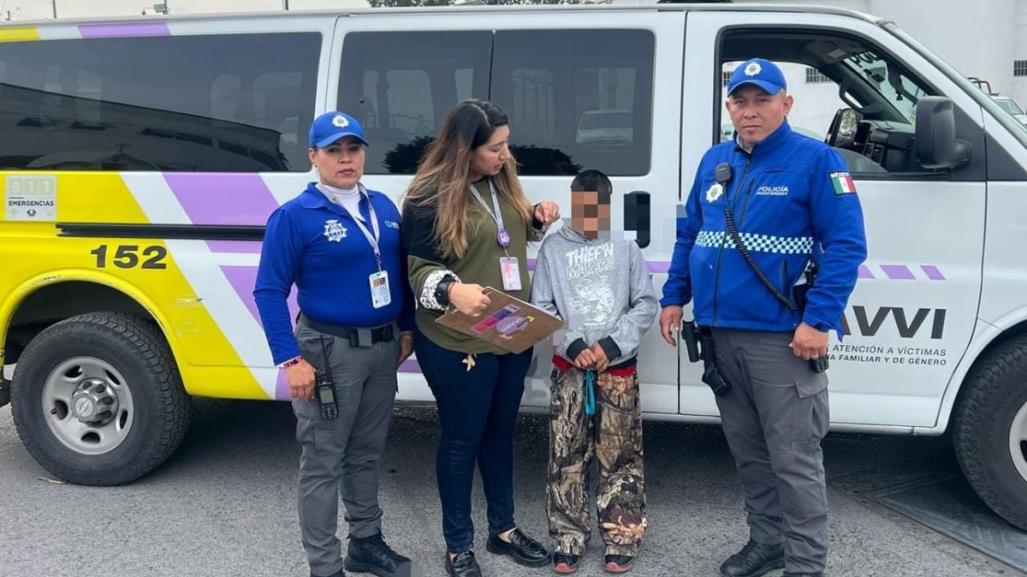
(508, 323)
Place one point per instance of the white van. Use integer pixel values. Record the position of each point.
(140, 159)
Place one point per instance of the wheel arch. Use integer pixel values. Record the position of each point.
(46, 299)
(989, 336)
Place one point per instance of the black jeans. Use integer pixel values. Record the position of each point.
(477, 413)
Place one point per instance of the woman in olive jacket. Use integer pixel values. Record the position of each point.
(466, 225)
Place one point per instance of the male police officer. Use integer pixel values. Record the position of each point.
(763, 210)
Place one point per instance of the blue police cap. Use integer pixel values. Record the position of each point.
(758, 72)
(331, 126)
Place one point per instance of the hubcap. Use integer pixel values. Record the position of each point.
(1018, 441)
(87, 405)
(94, 402)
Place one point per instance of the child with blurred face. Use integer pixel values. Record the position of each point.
(590, 210)
(601, 287)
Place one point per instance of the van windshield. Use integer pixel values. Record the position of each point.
(1009, 105)
(888, 80)
(1016, 129)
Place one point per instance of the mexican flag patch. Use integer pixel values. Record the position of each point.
(842, 183)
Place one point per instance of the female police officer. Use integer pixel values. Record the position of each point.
(339, 243)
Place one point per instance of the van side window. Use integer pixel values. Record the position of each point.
(400, 85)
(232, 103)
(576, 98)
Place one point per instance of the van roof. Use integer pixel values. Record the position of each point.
(702, 7)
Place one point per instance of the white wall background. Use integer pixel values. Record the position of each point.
(1019, 91)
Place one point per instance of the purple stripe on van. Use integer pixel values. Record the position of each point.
(864, 272)
(897, 272)
(234, 246)
(658, 266)
(282, 387)
(123, 30)
(242, 279)
(410, 366)
(932, 272)
(215, 198)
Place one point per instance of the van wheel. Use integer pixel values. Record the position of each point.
(97, 399)
(990, 435)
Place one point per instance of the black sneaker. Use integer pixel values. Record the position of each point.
(373, 555)
(565, 563)
(754, 560)
(618, 563)
(463, 565)
(522, 549)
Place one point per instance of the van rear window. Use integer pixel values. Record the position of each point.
(575, 98)
(218, 103)
(400, 85)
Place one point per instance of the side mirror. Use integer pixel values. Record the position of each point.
(936, 146)
(842, 132)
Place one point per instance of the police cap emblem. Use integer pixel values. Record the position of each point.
(753, 69)
(340, 121)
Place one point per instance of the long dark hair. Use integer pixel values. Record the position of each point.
(441, 177)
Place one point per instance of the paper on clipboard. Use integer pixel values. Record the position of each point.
(509, 323)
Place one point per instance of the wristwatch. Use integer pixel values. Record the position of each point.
(442, 290)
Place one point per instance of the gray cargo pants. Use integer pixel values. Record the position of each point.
(774, 417)
(341, 454)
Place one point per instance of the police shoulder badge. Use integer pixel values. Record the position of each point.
(714, 192)
(753, 69)
(334, 231)
(842, 183)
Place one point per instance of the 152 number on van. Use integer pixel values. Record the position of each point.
(130, 256)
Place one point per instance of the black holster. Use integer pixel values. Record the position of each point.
(699, 343)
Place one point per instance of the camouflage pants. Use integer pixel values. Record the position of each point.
(614, 436)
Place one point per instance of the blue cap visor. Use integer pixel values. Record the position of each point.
(768, 87)
(336, 136)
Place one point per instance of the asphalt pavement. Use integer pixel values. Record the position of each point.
(224, 504)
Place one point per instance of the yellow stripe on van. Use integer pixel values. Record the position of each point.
(19, 34)
(35, 257)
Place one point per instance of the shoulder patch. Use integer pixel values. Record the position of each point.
(842, 183)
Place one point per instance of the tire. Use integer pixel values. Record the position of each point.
(990, 434)
(97, 399)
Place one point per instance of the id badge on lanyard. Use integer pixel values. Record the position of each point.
(511, 270)
(509, 266)
(381, 296)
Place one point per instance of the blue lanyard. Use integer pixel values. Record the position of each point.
(590, 393)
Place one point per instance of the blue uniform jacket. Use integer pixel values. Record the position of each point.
(315, 244)
(792, 201)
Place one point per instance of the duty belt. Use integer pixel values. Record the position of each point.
(357, 337)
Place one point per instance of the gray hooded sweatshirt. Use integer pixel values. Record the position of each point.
(601, 288)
